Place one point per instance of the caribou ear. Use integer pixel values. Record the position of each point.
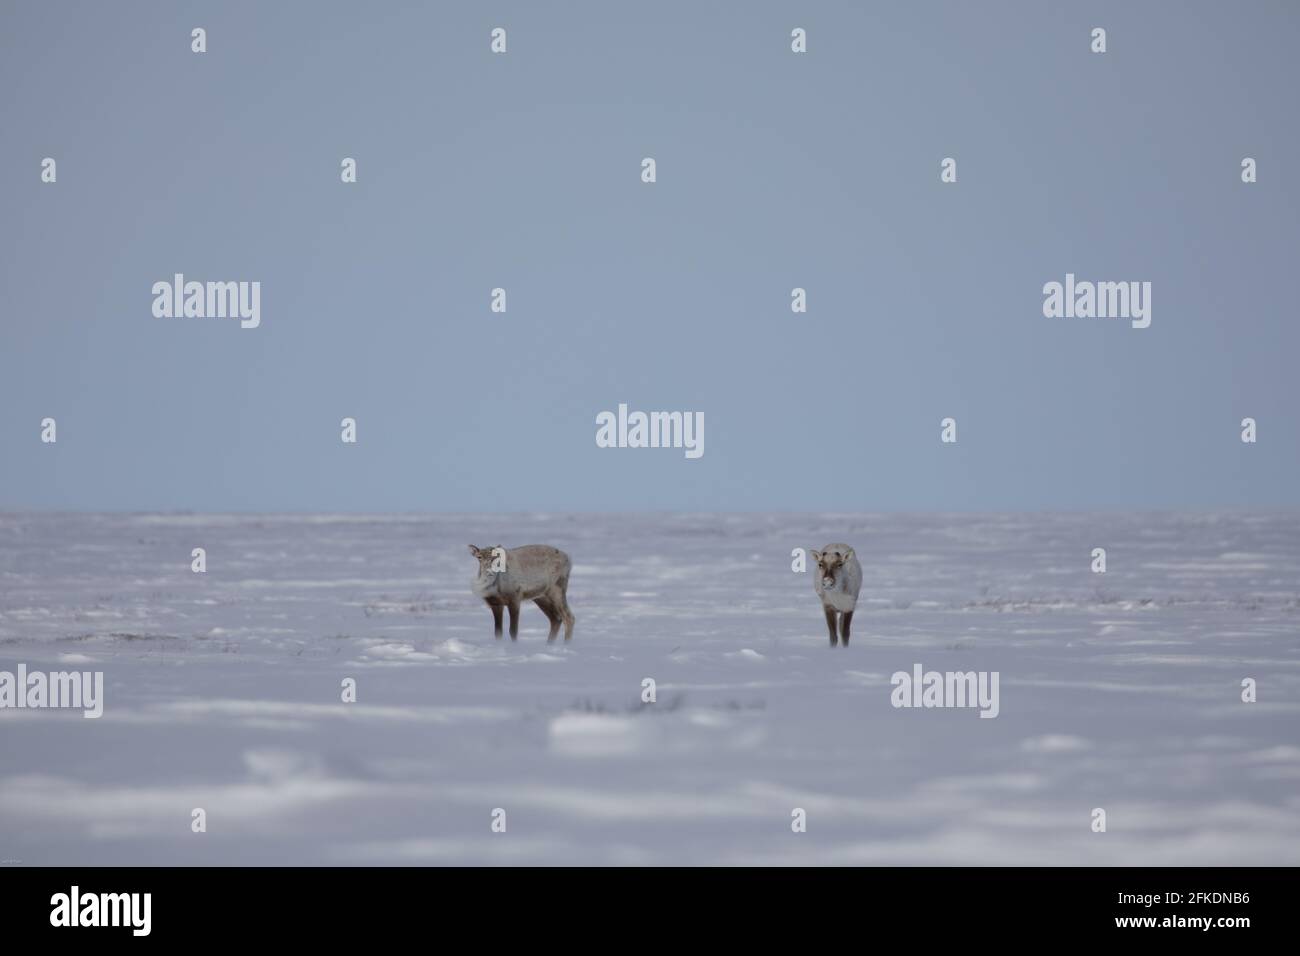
(816, 556)
(848, 555)
(473, 550)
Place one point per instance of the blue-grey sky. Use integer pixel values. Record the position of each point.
(775, 170)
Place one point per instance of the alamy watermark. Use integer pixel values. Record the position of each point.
(75, 908)
(651, 430)
(1100, 300)
(208, 300)
(923, 688)
(82, 690)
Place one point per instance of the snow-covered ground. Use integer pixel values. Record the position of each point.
(1119, 690)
